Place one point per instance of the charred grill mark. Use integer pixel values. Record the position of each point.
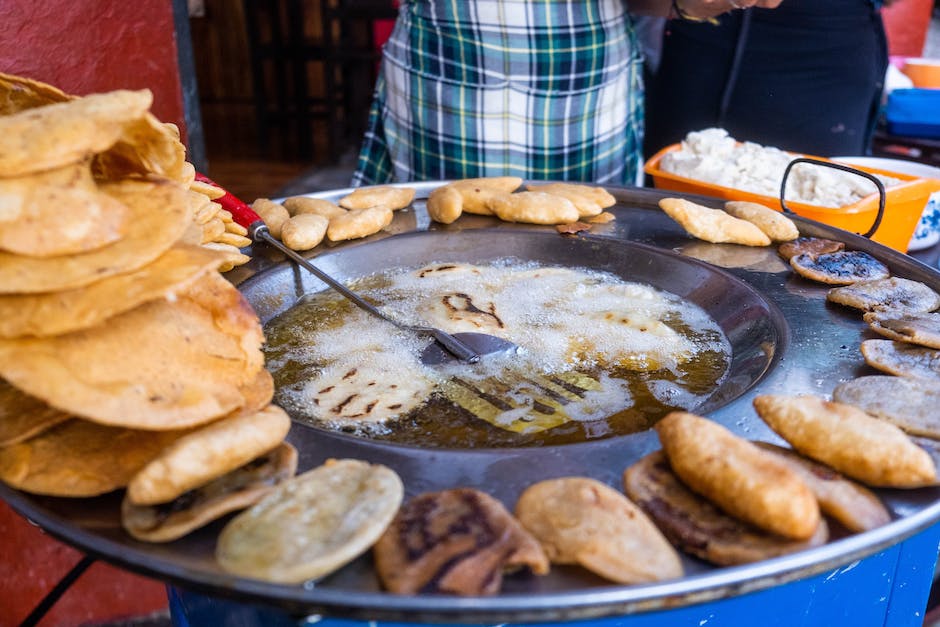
(495, 401)
(574, 389)
(338, 409)
(454, 306)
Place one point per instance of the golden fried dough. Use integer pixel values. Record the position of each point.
(712, 225)
(274, 215)
(80, 458)
(54, 135)
(18, 93)
(58, 212)
(910, 404)
(298, 205)
(382, 196)
(777, 226)
(696, 526)
(23, 416)
(737, 476)
(918, 328)
(840, 268)
(312, 524)
(208, 452)
(238, 489)
(902, 359)
(476, 193)
(304, 231)
(359, 223)
(532, 208)
(445, 204)
(892, 294)
(589, 200)
(146, 147)
(856, 507)
(849, 440)
(55, 313)
(161, 365)
(457, 541)
(579, 520)
(160, 214)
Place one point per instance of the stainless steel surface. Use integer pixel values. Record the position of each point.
(450, 347)
(786, 340)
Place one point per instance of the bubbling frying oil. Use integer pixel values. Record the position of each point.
(599, 357)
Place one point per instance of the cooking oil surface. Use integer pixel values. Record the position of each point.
(599, 357)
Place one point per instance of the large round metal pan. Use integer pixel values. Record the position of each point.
(786, 340)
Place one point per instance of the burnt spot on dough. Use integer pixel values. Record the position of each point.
(461, 306)
(840, 266)
(442, 268)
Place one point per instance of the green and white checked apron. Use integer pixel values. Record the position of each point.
(542, 89)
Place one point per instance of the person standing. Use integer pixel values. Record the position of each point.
(806, 77)
(542, 89)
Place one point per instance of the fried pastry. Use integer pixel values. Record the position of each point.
(274, 215)
(206, 453)
(589, 200)
(312, 524)
(741, 479)
(23, 416)
(855, 507)
(358, 223)
(894, 294)
(812, 246)
(304, 231)
(696, 526)
(910, 404)
(847, 439)
(839, 268)
(299, 205)
(445, 204)
(582, 521)
(918, 328)
(712, 225)
(457, 541)
(382, 196)
(532, 208)
(902, 359)
(777, 226)
(476, 193)
(237, 489)
(79, 458)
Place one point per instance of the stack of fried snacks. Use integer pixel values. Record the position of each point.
(119, 339)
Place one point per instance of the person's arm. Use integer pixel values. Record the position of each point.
(695, 9)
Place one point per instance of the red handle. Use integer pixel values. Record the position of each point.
(241, 212)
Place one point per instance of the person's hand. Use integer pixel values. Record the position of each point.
(704, 9)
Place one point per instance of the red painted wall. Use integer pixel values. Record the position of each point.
(85, 46)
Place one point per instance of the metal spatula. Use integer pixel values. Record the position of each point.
(464, 347)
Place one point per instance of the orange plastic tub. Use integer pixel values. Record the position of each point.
(903, 204)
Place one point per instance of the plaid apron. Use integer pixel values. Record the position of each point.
(541, 89)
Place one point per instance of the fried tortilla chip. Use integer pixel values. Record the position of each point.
(58, 212)
(696, 526)
(18, 93)
(23, 416)
(159, 216)
(312, 524)
(162, 365)
(238, 489)
(55, 313)
(207, 453)
(910, 404)
(844, 437)
(741, 479)
(457, 541)
(80, 458)
(712, 225)
(145, 146)
(51, 136)
(583, 521)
